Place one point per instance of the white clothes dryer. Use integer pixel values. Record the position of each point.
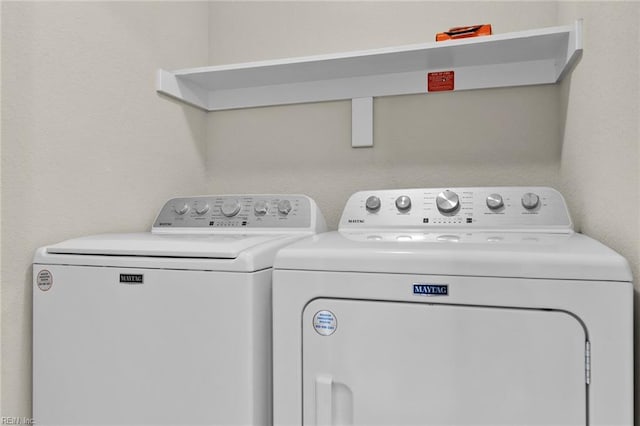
(459, 306)
(168, 327)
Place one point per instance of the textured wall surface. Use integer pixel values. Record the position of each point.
(601, 109)
(600, 173)
(487, 137)
(581, 136)
(87, 144)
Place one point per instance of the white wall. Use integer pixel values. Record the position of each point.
(0, 213)
(601, 139)
(490, 137)
(87, 144)
(581, 136)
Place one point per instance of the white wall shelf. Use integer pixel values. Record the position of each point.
(541, 56)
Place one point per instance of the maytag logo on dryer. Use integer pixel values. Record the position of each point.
(355, 220)
(131, 278)
(428, 289)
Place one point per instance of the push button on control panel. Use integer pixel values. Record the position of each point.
(448, 238)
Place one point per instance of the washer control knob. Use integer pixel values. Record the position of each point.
(447, 201)
(260, 208)
(181, 208)
(495, 201)
(403, 203)
(284, 207)
(230, 207)
(373, 204)
(530, 201)
(202, 210)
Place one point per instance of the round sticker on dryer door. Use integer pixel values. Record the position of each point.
(44, 280)
(325, 323)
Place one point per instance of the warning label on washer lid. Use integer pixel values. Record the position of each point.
(325, 323)
(44, 280)
(440, 81)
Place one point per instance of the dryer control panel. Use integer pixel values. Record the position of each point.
(233, 212)
(494, 208)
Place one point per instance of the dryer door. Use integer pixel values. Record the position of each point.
(398, 363)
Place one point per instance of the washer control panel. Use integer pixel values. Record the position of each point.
(236, 211)
(472, 208)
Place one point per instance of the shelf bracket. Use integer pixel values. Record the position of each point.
(362, 122)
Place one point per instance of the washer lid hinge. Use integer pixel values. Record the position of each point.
(587, 362)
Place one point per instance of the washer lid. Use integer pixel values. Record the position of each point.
(226, 246)
(482, 254)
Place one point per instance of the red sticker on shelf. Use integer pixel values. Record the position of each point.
(440, 81)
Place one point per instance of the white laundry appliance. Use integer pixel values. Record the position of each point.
(168, 327)
(459, 306)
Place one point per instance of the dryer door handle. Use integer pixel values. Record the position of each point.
(334, 402)
(324, 384)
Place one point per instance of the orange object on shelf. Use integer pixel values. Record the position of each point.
(464, 32)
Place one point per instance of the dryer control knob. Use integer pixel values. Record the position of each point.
(284, 207)
(202, 210)
(373, 204)
(495, 201)
(447, 201)
(181, 208)
(403, 203)
(230, 208)
(260, 208)
(530, 201)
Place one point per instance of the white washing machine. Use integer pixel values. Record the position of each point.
(460, 306)
(168, 327)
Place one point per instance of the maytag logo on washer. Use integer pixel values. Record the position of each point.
(427, 289)
(131, 278)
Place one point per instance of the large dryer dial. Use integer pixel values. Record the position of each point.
(447, 201)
